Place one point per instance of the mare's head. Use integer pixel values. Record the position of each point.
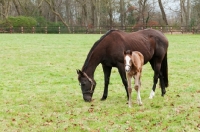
(87, 85)
(127, 60)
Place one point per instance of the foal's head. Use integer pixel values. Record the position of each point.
(127, 60)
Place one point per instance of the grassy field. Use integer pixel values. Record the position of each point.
(39, 90)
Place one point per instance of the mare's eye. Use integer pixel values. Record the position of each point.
(82, 84)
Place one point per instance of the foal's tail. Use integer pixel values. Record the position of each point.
(164, 70)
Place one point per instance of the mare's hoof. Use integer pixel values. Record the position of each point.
(102, 99)
(163, 94)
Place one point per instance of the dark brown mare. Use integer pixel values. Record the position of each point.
(108, 51)
(133, 62)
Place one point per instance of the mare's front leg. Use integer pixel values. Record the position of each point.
(107, 72)
(129, 89)
(122, 73)
(137, 88)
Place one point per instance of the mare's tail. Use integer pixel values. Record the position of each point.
(164, 70)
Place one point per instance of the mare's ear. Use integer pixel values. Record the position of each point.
(79, 72)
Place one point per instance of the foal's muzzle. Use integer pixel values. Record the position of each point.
(127, 68)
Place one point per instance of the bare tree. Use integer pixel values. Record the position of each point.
(83, 3)
(142, 8)
(110, 12)
(163, 12)
(122, 13)
(185, 12)
(5, 4)
(49, 2)
(17, 7)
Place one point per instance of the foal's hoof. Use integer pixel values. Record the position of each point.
(140, 103)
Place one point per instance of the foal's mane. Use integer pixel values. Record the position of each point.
(95, 45)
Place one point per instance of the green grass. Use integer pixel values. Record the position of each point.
(39, 90)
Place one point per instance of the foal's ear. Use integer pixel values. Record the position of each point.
(131, 52)
(124, 52)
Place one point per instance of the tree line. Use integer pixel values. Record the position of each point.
(96, 13)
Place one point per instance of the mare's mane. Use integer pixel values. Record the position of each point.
(95, 45)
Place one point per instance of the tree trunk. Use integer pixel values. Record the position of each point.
(84, 11)
(68, 12)
(142, 9)
(17, 7)
(94, 8)
(5, 8)
(98, 13)
(55, 9)
(163, 12)
(110, 14)
(188, 13)
(122, 13)
(183, 12)
(57, 14)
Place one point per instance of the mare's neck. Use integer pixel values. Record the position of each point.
(90, 67)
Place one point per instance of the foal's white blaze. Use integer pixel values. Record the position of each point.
(152, 94)
(127, 65)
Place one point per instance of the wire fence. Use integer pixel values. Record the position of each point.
(96, 30)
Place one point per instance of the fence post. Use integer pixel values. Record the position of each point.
(161, 29)
(171, 30)
(86, 30)
(73, 30)
(100, 30)
(46, 30)
(192, 30)
(22, 29)
(59, 29)
(167, 28)
(10, 29)
(124, 28)
(33, 30)
(181, 29)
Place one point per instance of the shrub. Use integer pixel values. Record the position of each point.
(20, 21)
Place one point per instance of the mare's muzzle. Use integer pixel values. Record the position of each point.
(87, 98)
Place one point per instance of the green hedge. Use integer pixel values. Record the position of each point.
(20, 21)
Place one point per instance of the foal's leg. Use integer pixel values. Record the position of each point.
(137, 88)
(122, 73)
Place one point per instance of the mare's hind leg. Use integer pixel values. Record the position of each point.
(107, 71)
(162, 84)
(156, 66)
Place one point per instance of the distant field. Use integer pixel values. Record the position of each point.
(39, 90)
